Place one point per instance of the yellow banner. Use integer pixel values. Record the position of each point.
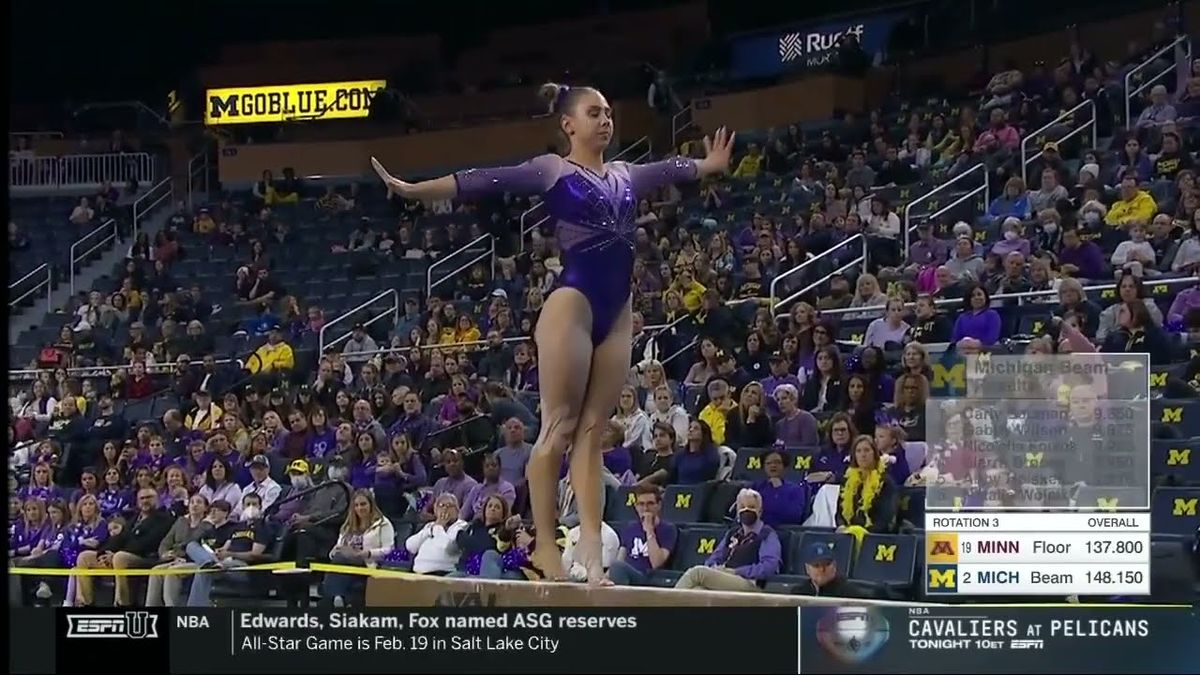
(291, 102)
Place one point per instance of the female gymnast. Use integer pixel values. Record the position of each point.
(584, 332)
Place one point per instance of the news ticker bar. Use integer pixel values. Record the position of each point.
(847, 638)
(1052, 554)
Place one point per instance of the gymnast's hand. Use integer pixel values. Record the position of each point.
(717, 150)
(394, 185)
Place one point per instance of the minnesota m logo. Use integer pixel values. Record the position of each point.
(706, 545)
(1179, 456)
(885, 553)
(1174, 415)
(1184, 507)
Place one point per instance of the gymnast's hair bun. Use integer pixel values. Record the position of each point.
(551, 93)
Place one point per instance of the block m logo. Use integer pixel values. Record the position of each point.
(1172, 415)
(885, 553)
(707, 545)
(1184, 507)
(942, 578)
(1179, 456)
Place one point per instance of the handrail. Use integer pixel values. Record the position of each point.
(202, 169)
(1181, 40)
(1070, 114)
(1025, 295)
(679, 351)
(678, 128)
(140, 211)
(75, 259)
(395, 311)
(908, 208)
(628, 150)
(101, 371)
(526, 230)
(48, 283)
(77, 171)
(799, 268)
(430, 284)
(816, 284)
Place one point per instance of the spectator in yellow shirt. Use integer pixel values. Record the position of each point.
(1134, 206)
(690, 290)
(751, 162)
(274, 356)
(207, 416)
(719, 403)
(204, 223)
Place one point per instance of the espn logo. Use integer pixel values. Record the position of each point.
(1027, 644)
(135, 625)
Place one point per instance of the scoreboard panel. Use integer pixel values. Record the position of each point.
(1053, 554)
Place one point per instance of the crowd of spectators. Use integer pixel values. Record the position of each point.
(429, 427)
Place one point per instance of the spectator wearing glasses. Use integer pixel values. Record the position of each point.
(140, 549)
(646, 545)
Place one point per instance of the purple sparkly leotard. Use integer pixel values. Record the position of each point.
(594, 219)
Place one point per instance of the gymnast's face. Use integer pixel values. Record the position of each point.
(588, 122)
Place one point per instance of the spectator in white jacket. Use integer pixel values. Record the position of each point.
(366, 537)
(610, 543)
(1135, 253)
(434, 547)
(635, 420)
(360, 346)
(666, 411)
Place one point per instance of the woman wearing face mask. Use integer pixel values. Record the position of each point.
(868, 498)
(365, 538)
(1011, 239)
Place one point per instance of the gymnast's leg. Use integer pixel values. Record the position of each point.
(563, 337)
(609, 369)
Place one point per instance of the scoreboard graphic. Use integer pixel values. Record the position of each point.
(1054, 554)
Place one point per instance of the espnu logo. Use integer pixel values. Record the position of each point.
(793, 46)
(135, 625)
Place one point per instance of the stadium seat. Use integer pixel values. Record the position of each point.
(912, 506)
(695, 544)
(685, 503)
(748, 466)
(887, 562)
(721, 499)
(1178, 459)
(1175, 512)
(619, 505)
(1182, 414)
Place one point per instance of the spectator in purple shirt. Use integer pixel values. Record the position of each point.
(979, 320)
(784, 502)
(779, 375)
(413, 422)
(617, 458)
(747, 556)
(87, 532)
(492, 484)
(322, 438)
(114, 498)
(41, 485)
(647, 544)
(29, 530)
(362, 465)
(456, 482)
(795, 427)
(927, 250)
(1081, 259)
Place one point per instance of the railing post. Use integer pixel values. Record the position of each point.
(1025, 162)
(1181, 40)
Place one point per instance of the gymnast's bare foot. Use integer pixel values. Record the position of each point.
(548, 562)
(589, 553)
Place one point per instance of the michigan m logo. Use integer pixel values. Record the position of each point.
(1158, 380)
(1184, 507)
(754, 462)
(1172, 415)
(683, 500)
(885, 553)
(803, 462)
(707, 545)
(954, 377)
(943, 578)
(630, 499)
(1179, 456)
(1107, 503)
(1034, 458)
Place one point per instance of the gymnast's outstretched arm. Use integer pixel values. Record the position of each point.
(533, 177)
(648, 177)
